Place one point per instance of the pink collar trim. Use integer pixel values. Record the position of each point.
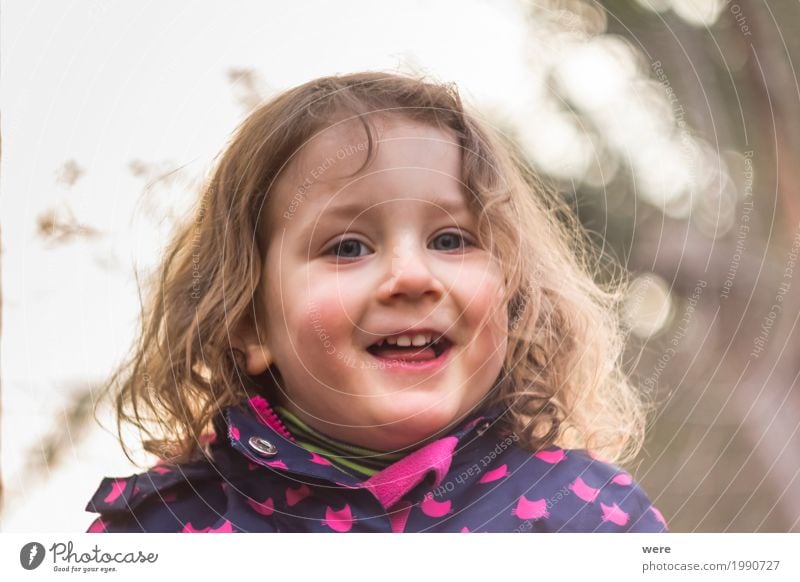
(391, 484)
(268, 416)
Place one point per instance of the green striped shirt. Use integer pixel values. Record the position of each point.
(356, 461)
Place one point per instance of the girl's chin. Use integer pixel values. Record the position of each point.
(399, 431)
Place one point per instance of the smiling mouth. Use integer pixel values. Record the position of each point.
(429, 351)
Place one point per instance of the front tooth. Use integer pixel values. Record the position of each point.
(419, 340)
(403, 341)
(391, 341)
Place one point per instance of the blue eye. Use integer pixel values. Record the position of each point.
(348, 248)
(451, 241)
(352, 248)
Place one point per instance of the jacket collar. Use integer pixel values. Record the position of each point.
(254, 430)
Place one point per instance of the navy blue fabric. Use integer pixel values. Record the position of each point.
(492, 485)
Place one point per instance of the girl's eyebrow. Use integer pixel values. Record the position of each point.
(454, 206)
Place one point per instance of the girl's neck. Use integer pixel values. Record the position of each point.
(352, 459)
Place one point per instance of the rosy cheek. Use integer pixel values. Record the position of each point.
(487, 310)
(324, 324)
(497, 328)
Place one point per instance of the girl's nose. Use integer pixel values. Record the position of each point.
(410, 275)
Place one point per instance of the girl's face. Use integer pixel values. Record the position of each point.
(387, 254)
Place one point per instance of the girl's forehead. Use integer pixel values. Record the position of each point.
(330, 178)
(340, 151)
(409, 159)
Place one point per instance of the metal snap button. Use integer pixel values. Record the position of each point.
(263, 447)
(483, 428)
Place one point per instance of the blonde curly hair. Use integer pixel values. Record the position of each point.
(561, 381)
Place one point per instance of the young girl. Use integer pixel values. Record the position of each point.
(377, 321)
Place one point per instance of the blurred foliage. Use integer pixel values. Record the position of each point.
(58, 225)
(717, 252)
(67, 430)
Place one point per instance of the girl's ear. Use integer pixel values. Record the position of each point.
(256, 352)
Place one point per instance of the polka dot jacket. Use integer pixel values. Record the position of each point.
(257, 479)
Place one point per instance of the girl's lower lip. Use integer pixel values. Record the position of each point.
(405, 366)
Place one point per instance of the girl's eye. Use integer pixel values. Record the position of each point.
(450, 241)
(351, 248)
(348, 248)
